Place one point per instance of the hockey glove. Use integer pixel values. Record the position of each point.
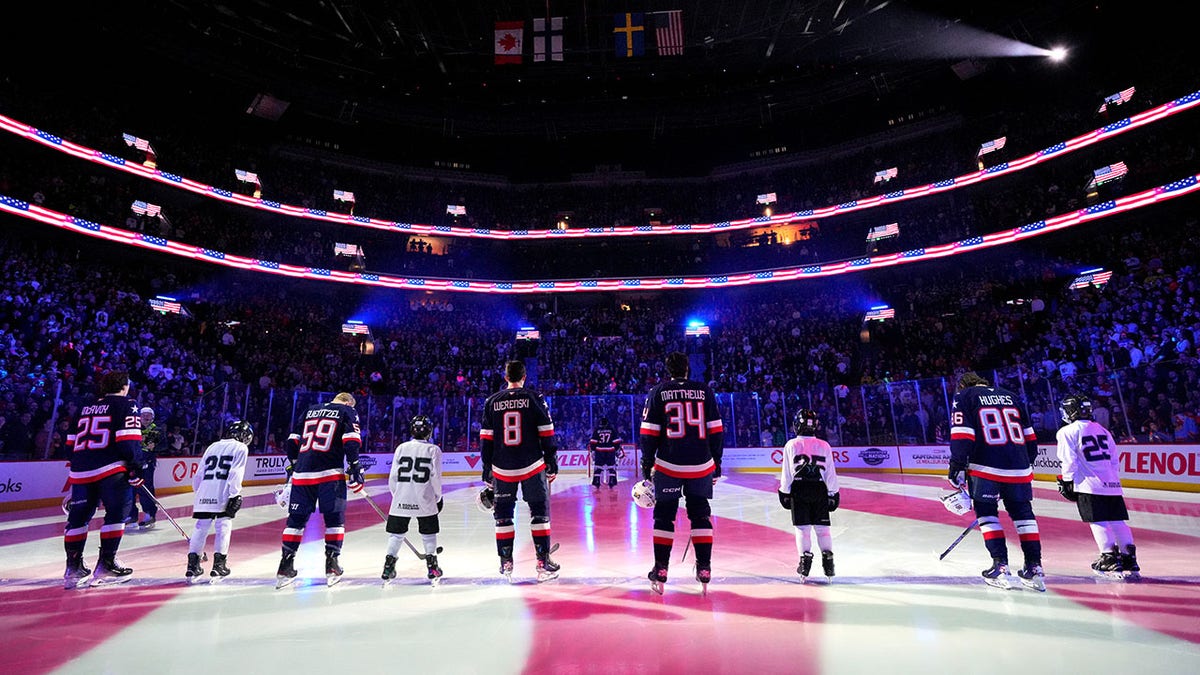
(1066, 488)
(135, 480)
(233, 505)
(354, 477)
(785, 500)
(550, 477)
(834, 500)
(957, 475)
(290, 469)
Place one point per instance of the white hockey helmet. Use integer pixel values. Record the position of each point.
(485, 499)
(643, 494)
(957, 502)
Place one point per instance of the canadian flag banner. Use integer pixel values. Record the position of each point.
(509, 41)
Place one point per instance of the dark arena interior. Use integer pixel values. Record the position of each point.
(316, 235)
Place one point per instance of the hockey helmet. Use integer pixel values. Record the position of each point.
(805, 423)
(421, 427)
(603, 422)
(486, 499)
(957, 502)
(1075, 407)
(643, 494)
(240, 431)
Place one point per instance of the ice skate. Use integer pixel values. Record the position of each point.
(77, 575)
(805, 566)
(433, 572)
(658, 579)
(1032, 577)
(547, 569)
(506, 568)
(997, 575)
(110, 571)
(1129, 564)
(194, 571)
(389, 569)
(287, 571)
(333, 571)
(827, 565)
(219, 569)
(147, 524)
(612, 480)
(703, 575)
(1108, 565)
(596, 481)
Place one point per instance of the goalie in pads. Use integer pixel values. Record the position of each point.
(218, 488)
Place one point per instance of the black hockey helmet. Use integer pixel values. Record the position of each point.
(421, 427)
(603, 422)
(805, 423)
(241, 431)
(1075, 407)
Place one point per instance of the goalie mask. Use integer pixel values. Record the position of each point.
(486, 500)
(805, 423)
(1075, 407)
(643, 494)
(957, 502)
(421, 428)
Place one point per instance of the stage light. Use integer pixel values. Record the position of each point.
(1058, 54)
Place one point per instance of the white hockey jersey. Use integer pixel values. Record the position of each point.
(1090, 458)
(219, 475)
(416, 479)
(807, 455)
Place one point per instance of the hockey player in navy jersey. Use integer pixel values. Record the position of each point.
(105, 455)
(682, 441)
(516, 439)
(218, 497)
(993, 446)
(1091, 478)
(808, 487)
(605, 446)
(328, 439)
(416, 486)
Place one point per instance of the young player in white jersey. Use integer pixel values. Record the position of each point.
(1090, 478)
(218, 488)
(415, 482)
(808, 488)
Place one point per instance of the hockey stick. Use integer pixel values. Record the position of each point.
(163, 509)
(686, 546)
(383, 515)
(960, 538)
(590, 463)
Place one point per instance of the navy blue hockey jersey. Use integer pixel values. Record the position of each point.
(516, 437)
(682, 434)
(605, 439)
(990, 434)
(328, 439)
(107, 438)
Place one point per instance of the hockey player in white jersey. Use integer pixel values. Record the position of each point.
(1090, 478)
(218, 488)
(808, 487)
(415, 482)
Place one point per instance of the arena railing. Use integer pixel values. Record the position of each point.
(1057, 150)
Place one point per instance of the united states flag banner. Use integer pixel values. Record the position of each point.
(166, 305)
(697, 331)
(346, 249)
(247, 177)
(355, 328)
(768, 198)
(456, 209)
(343, 196)
(1118, 98)
(139, 143)
(143, 209)
(879, 314)
(668, 32)
(550, 49)
(992, 146)
(883, 232)
(1107, 174)
(885, 175)
(1095, 278)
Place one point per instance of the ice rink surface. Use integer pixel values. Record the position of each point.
(892, 608)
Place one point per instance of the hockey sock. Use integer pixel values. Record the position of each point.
(664, 538)
(993, 537)
(1031, 541)
(803, 539)
(1104, 537)
(293, 532)
(430, 543)
(505, 533)
(74, 540)
(824, 538)
(702, 540)
(224, 527)
(539, 527)
(395, 541)
(1121, 531)
(110, 538)
(196, 543)
(333, 539)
